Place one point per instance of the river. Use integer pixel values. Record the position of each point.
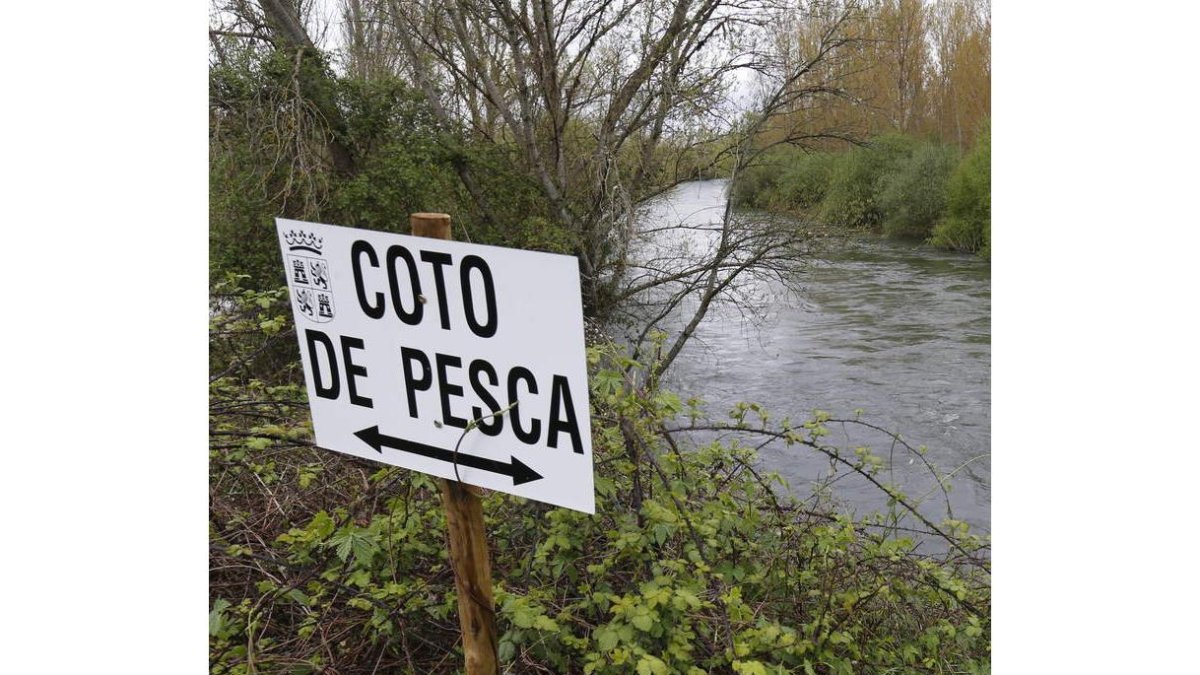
(897, 330)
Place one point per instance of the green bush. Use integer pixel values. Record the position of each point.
(404, 176)
(804, 182)
(403, 162)
(968, 222)
(902, 185)
(402, 167)
(789, 179)
(694, 561)
(266, 159)
(241, 221)
(754, 186)
(913, 197)
(852, 199)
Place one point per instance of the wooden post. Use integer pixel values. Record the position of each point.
(468, 540)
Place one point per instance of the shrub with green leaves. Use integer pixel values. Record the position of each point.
(804, 182)
(901, 185)
(269, 158)
(913, 196)
(967, 225)
(754, 185)
(852, 199)
(695, 561)
(789, 179)
(403, 165)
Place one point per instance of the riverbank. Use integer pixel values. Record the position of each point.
(902, 186)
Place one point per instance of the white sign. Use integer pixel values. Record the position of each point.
(435, 355)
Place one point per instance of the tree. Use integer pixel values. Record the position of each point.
(961, 78)
(601, 105)
(598, 101)
(277, 137)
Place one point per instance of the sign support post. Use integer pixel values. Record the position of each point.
(468, 540)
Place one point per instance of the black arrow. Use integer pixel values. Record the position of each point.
(519, 472)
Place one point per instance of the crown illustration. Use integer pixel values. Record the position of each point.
(303, 240)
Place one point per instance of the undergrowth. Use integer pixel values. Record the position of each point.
(901, 186)
(695, 561)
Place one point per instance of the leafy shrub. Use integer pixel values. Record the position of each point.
(241, 222)
(404, 176)
(267, 149)
(268, 159)
(693, 562)
(913, 196)
(402, 167)
(904, 186)
(852, 199)
(968, 222)
(753, 187)
(788, 180)
(805, 181)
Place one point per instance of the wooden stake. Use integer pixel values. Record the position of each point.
(432, 225)
(468, 540)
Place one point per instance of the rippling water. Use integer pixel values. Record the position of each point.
(898, 330)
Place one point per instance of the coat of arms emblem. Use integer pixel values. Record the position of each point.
(308, 276)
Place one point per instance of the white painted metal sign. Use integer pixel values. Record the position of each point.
(409, 342)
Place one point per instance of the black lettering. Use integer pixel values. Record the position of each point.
(446, 389)
(313, 337)
(535, 426)
(560, 399)
(440, 260)
(353, 371)
(356, 250)
(484, 330)
(411, 384)
(412, 317)
(494, 424)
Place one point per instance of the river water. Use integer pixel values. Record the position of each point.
(897, 330)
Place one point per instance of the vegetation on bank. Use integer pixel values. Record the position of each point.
(695, 561)
(403, 162)
(967, 223)
(896, 184)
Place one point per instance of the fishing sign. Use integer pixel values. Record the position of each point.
(458, 360)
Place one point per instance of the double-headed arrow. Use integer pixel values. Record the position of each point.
(519, 472)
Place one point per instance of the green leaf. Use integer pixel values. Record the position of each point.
(321, 525)
(606, 639)
(523, 617)
(651, 665)
(343, 547)
(507, 650)
(257, 443)
(216, 619)
(749, 668)
(688, 597)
